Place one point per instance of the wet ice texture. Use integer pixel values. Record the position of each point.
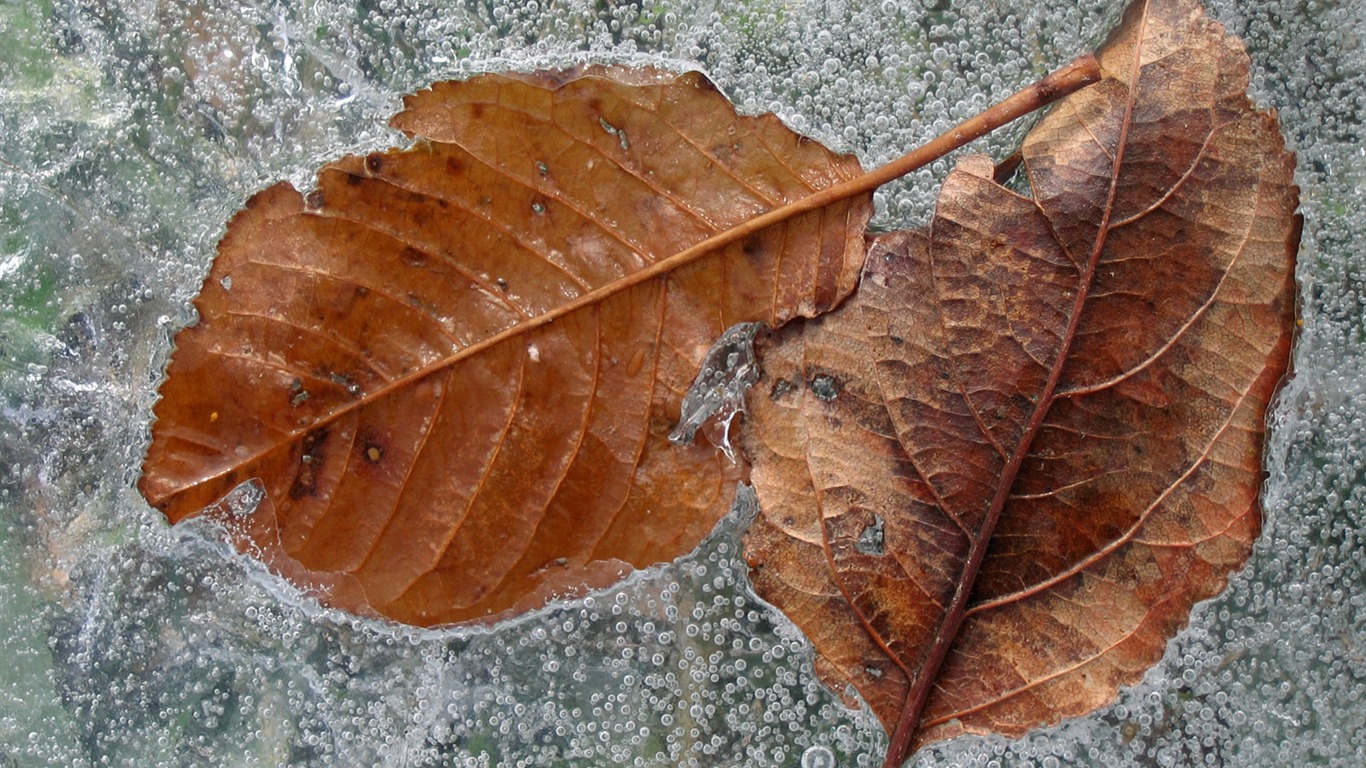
(717, 394)
(133, 130)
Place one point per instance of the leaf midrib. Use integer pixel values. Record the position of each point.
(908, 722)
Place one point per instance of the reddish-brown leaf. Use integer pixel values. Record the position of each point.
(453, 369)
(994, 483)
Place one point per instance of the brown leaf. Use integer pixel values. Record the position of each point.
(453, 369)
(995, 482)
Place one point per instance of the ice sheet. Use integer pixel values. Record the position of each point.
(133, 129)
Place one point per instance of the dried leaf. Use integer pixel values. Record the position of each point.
(995, 482)
(453, 369)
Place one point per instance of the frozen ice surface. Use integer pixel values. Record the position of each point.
(132, 130)
(717, 394)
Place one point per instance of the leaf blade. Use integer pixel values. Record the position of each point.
(1038, 352)
(341, 414)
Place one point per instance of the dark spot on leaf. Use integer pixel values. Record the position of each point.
(315, 200)
(660, 423)
(825, 387)
(314, 441)
(414, 257)
(374, 163)
(346, 382)
(311, 457)
(781, 388)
